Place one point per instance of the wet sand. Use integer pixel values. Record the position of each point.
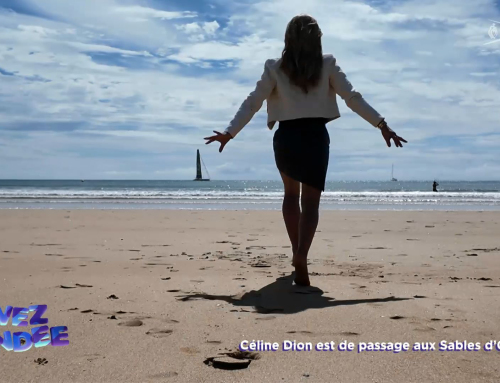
(150, 296)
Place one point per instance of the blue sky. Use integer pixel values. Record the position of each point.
(127, 89)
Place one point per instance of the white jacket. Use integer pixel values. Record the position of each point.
(286, 101)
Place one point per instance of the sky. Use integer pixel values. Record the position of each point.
(128, 89)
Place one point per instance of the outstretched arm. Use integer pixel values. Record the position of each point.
(355, 101)
(253, 102)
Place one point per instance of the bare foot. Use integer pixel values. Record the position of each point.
(301, 272)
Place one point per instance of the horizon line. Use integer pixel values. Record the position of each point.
(240, 180)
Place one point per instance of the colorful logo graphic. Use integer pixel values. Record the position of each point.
(39, 336)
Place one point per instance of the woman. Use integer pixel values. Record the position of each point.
(300, 89)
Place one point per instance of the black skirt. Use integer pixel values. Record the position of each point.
(302, 150)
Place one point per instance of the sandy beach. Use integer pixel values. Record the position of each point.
(149, 296)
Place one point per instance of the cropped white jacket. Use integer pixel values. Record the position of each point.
(286, 101)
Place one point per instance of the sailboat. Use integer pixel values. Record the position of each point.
(392, 174)
(199, 161)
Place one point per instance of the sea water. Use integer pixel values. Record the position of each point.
(244, 195)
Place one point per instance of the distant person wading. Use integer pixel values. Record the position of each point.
(434, 186)
(300, 89)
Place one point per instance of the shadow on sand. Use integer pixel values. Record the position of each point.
(283, 297)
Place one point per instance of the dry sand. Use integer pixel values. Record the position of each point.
(196, 283)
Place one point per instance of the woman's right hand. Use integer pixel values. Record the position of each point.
(389, 134)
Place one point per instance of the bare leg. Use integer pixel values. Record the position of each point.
(291, 210)
(307, 228)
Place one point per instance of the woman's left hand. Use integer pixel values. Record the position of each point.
(223, 138)
(389, 134)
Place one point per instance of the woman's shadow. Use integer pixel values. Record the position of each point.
(282, 296)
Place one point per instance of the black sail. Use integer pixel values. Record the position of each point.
(198, 165)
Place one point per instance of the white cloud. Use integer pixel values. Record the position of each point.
(421, 63)
(81, 47)
(37, 30)
(211, 27)
(199, 31)
(483, 74)
(138, 12)
(189, 28)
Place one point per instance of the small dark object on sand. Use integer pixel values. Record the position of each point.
(236, 360)
(41, 361)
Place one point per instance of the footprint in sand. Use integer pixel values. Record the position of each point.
(158, 264)
(74, 287)
(260, 264)
(348, 333)
(131, 323)
(45, 244)
(171, 321)
(255, 248)
(165, 375)
(159, 333)
(189, 350)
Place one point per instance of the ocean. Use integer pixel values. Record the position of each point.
(245, 195)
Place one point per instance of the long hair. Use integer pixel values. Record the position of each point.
(302, 57)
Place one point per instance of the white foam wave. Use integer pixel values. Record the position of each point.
(250, 196)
